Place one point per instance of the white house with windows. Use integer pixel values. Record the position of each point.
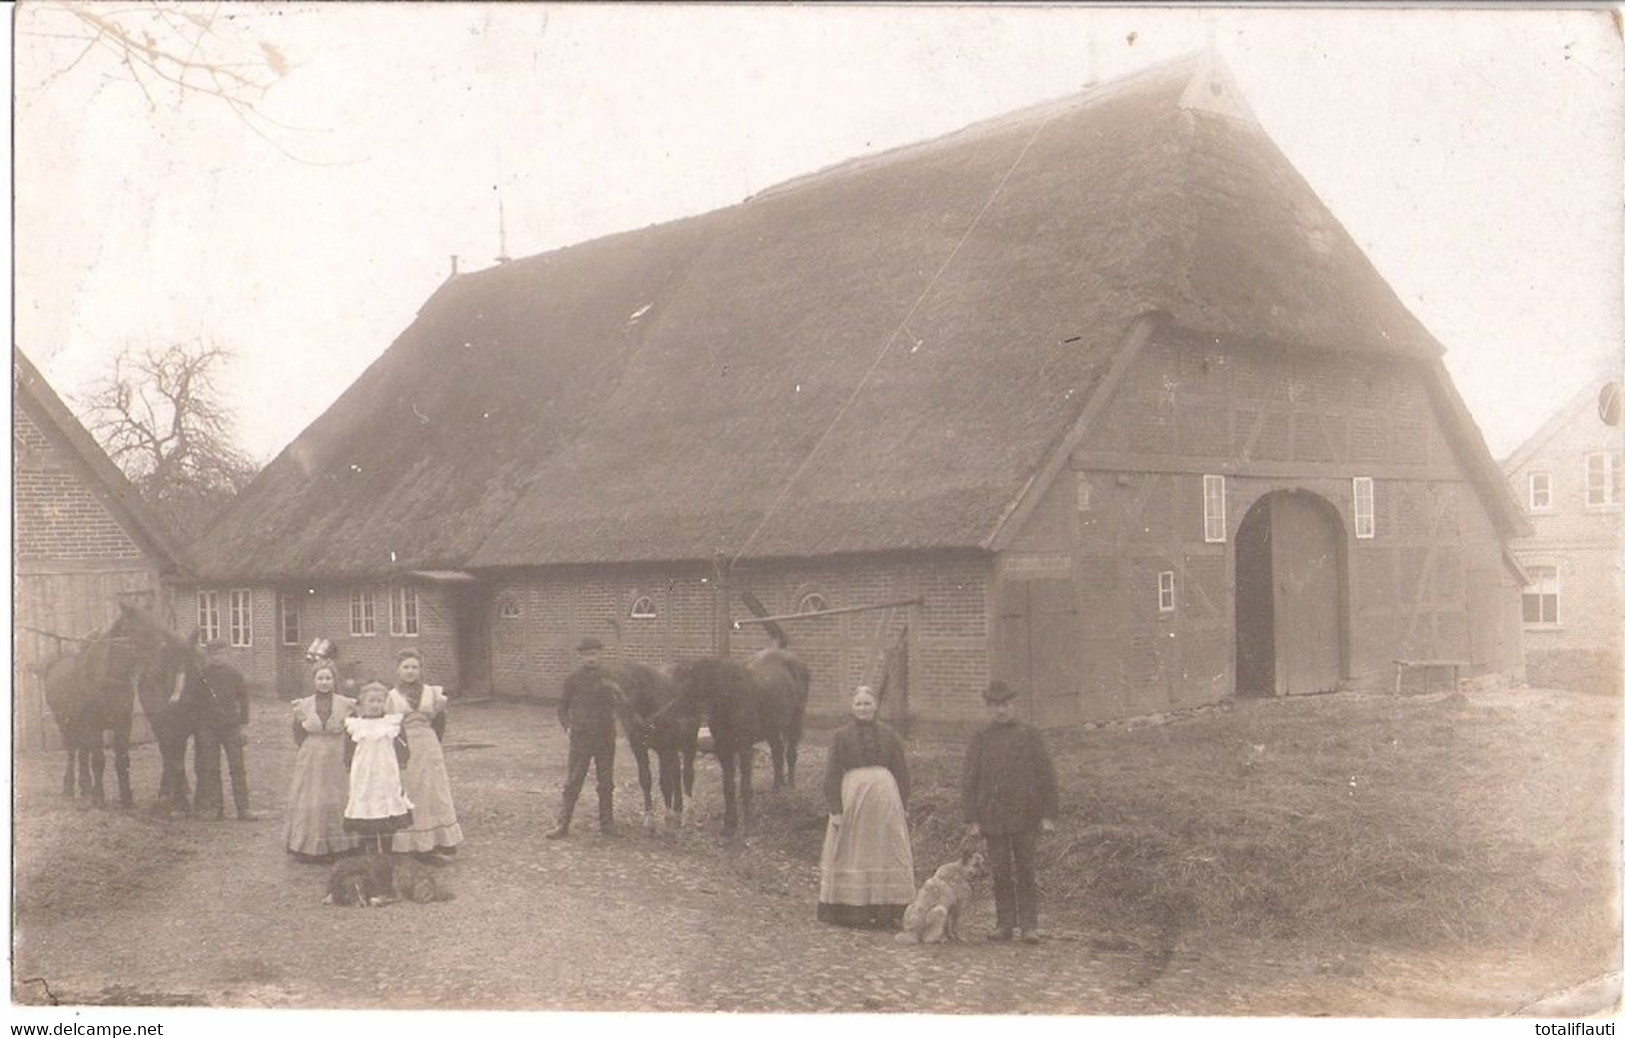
(1570, 476)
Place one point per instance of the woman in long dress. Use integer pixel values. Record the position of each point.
(866, 873)
(434, 828)
(314, 827)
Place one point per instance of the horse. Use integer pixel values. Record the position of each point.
(744, 704)
(90, 692)
(646, 706)
(167, 673)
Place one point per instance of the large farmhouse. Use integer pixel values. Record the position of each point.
(82, 543)
(1100, 383)
(1571, 474)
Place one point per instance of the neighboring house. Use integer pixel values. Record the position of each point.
(1570, 477)
(1100, 381)
(82, 543)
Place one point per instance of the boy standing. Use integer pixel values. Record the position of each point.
(1010, 796)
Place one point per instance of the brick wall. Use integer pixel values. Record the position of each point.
(533, 651)
(56, 515)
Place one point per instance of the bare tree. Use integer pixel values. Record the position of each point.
(167, 50)
(160, 417)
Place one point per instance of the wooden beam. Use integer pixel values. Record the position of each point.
(829, 612)
(1034, 489)
(1129, 461)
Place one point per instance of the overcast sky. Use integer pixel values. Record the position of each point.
(1474, 155)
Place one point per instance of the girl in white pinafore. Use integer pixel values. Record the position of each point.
(376, 752)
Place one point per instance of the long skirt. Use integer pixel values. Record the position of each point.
(315, 813)
(434, 819)
(866, 873)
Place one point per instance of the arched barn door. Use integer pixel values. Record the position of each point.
(1289, 596)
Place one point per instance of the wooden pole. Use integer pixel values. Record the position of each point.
(723, 622)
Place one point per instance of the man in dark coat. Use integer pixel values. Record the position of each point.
(587, 712)
(1010, 796)
(222, 725)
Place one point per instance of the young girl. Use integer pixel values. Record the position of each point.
(314, 830)
(376, 753)
(434, 826)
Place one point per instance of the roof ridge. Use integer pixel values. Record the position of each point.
(1037, 111)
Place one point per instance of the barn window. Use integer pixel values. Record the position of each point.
(1085, 492)
(403, 611)
(208, 615)
(1602, 480)
(1213, 509)
(1540, 491)
(812, 602)
(242, 617)
(1365, 507)
(290, 620)
(643, 608)
(363, 614)
(1541, 597)
(1165, 591)
(508, 608)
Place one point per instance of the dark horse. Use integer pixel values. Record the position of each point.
(744, 704)
(90, 692)
(649, 715)
(170, 686)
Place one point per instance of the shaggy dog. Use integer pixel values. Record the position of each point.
(379, 879)
(934, 915)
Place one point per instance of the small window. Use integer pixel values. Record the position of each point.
(363, 614)
(643, 608)
(508, 608)
(1165, 591)
(1085, 493)
(1602, 480)
(208, 615)
(403, 611)
(1541, 597)
(1540, 491)
(242, 617)
(1213, 509)
(1365, 508)
(290, 620)
(812, 602)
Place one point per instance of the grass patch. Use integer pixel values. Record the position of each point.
(1405, 823)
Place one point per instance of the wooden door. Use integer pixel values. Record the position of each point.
(1040, 649)
(1305, 559)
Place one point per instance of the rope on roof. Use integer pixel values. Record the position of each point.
(890, 340)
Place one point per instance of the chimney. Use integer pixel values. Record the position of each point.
(454, 264)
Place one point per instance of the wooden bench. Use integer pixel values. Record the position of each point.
(1401, 666)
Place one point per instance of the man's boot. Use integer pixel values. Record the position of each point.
(606, 815)
(560, 831)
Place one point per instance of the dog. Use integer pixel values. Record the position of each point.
(934, 915)
(373, 880)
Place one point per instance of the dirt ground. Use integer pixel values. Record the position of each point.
(135, 908)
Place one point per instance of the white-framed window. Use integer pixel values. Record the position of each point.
(1602, 477)
(812, 602)
(508, 608)
(363, 614)
(1165, 591)
(403, 611)
(1213, 531)
(208, 615)
(643, 608)
(1542, 598)
(1365, 507)
(290, 620)
(1540, 491)
(241, 615)
(1085, 494)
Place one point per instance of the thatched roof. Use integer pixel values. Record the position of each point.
(874, 357)
(110, 486)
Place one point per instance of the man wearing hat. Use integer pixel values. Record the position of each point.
(1010, 796)
(587, 712)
